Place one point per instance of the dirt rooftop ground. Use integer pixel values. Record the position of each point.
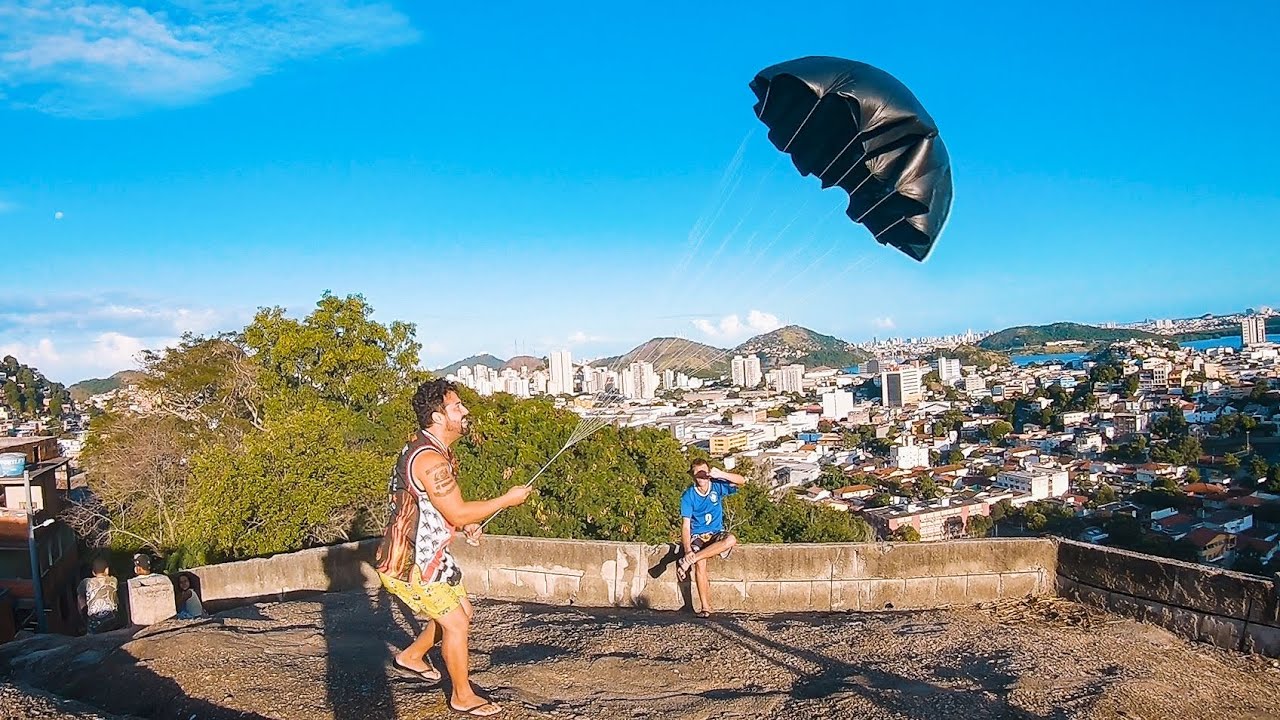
(325, 657)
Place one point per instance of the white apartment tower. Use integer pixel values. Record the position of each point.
(903, 386)
(1253, 330)
(948, 370)
(746, 370)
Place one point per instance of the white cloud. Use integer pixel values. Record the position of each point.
(57, 215)
(732, 328)
(39, 355)
(103, 57)
(139, 317)
(884, 322)
(580, 338)
(73, 337)
(76, 359)
(112, 349)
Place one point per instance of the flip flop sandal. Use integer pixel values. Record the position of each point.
(476, 710)
(430, 675)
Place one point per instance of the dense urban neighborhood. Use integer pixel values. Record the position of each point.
(1145, 444)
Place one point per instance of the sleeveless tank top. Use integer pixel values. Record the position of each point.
(416, 533)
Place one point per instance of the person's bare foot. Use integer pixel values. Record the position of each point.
(419, 667)
(477, 706)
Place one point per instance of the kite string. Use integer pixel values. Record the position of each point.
(535, 477)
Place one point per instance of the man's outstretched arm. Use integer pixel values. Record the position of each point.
(435, 476)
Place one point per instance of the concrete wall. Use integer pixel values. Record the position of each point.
(756, 578)
(763, 578)
(1227, 609)
(288, 575)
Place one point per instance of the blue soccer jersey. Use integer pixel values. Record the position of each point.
(706, 512)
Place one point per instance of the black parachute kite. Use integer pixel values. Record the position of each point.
(858, 127)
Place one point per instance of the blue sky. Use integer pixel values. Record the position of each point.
(512, 175)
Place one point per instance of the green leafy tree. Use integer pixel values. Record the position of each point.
(1231, 463)
(879, 500)
(979, 526)
(1104, 495)
(1258, 466)
(906, 533)
(1130, 385)
(998, 430)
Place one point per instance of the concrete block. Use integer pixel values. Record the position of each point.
(953, 590)
(886, 594)
(847, 594)
(982, 588)
(803, 596)
(1021, 584)
(764, 594)
(919, 593)
(1262, 639)
(1226, 633)
(957, 557)
(1170, 582)
(778, 562)
(151, 599)
(506, 584)
(1083, 594)
(1186, 623)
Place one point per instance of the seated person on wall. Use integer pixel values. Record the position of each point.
(189, 605)
(141, 565)
(150, 594)
(99, 598)
(702, 525)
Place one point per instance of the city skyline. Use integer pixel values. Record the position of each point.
(197, 172)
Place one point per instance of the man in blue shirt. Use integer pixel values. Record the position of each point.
(702, 530)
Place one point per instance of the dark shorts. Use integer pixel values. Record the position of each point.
(697, 542)
(103, 622)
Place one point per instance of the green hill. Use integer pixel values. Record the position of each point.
(85, 389)
(485, 359)
(676, 354)
(973, 355)
(27, 393)
(795, 344)
(1036, 337)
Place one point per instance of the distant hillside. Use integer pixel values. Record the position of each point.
(526, 361)
(972, 355)
(675, 354)
(27, 393)
(85, 389)
(795, 344)
(484, 359)
(1037, 336)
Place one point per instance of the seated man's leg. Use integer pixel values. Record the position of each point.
(703, 581)
(721, 543)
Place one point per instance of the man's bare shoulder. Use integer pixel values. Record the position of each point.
(433, 473)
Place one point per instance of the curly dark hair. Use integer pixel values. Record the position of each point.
(429, 398)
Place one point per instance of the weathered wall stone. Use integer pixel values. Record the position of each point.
(150, 599)
(755, 578)
(1180, 584)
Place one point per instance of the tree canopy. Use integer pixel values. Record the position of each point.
(282, 435)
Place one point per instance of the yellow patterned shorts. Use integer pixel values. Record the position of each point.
(435, 600)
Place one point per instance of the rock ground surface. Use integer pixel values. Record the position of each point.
(326, 657)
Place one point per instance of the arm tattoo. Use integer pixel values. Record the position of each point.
(441, 480)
